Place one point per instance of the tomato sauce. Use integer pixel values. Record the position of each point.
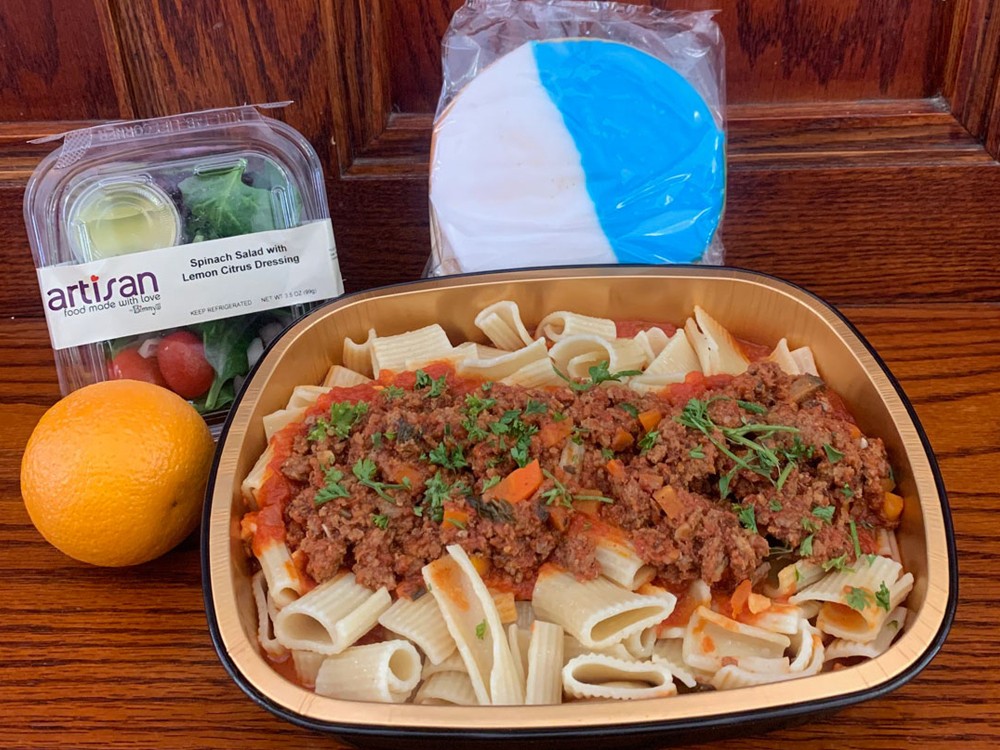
(626, 329)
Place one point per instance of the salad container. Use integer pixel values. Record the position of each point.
(173, 250)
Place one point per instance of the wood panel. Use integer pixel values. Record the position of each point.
(776, 51)
(186, 55)
(849, 233)
(59, 60)
(76, 675)
(972, 73)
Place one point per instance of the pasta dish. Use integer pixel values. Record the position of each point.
(596, 510)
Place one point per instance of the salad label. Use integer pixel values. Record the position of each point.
(185, 284)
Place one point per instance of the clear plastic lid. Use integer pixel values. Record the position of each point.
(174, 249)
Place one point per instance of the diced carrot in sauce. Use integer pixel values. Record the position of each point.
(519, 485)
(553, 434)
(854, 431)
(692, 387)
(741, 595)
(479, 562)
(404, 471)
(666, 498)
(455, 516)
(892, 507)
(587, 507)
(616, 468)
(650, 419)
(837, 406)
(622, 440)
(559, 517)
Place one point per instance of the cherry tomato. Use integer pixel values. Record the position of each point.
(182, 362)
(130, 365)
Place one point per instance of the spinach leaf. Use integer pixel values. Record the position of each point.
(226, 343)
(222, 205)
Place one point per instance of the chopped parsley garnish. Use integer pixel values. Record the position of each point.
(487, 386)
(535, 407)
(333, 487)
(775, 505)
(491, 482)
(882, 597)
(858, 598)
(825, 513)
(456, 523)
(520, 452)
(392, 392)
(854, 538)
(511, 425)
(836, 563)
(376, 439)
(607, 454)
(724, 481)
(558, 416)
(599, 373)
(832, 454)
(806, 547)
(697, 452)
(474, 406)
(364, 470)
(436, 491)
(454, 460)
(437, 386)
(748, 518)
(559, 495)
(629, 408)
(343, 416)
(380, 520)
(809, 525)
(758, 457)
(481, 630)
(783, 475)
(751, 407)
(647, 441)
(848, 492)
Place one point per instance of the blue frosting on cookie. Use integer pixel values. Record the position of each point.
(652, 154)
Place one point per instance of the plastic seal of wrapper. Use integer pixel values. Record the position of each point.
(577, 132)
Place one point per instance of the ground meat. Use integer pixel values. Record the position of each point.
(702, 486)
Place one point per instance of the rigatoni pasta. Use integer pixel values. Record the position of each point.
(569, 513)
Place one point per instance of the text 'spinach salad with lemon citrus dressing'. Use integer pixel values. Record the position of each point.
(173, 250)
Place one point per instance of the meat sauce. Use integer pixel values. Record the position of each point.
(379, 478)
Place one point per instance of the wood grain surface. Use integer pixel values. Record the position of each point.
(96, 658)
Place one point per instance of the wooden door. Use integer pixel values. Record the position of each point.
(863, 135)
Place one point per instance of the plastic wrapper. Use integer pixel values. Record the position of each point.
(577, 132)
(173, 250)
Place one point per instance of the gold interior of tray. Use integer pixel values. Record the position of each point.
(751, 306)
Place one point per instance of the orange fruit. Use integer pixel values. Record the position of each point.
(114, 474)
